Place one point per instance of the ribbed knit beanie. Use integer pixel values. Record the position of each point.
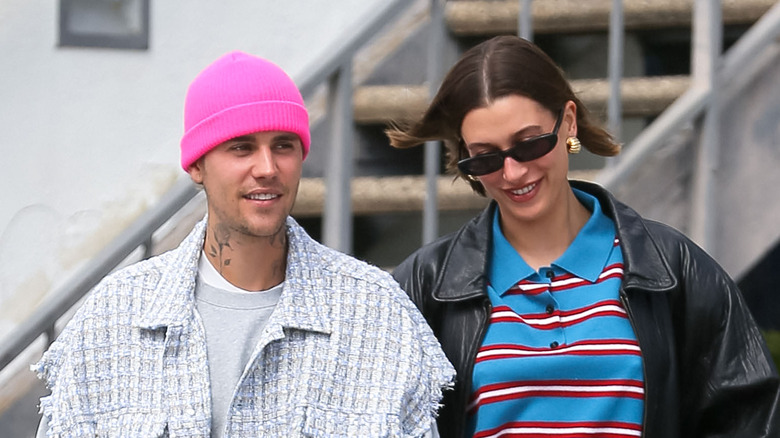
(239, 94)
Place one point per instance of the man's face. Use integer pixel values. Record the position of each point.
(251, 182)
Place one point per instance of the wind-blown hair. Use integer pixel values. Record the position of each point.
(499, 67)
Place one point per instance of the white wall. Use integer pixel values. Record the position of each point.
(89, 137)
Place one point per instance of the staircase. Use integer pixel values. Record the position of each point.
(657, 67)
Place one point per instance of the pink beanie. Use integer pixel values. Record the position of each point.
(239, 94)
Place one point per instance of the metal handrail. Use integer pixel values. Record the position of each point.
(690, 105)
(711, 69)
(139, 233)
(700, 97)
(333, 59)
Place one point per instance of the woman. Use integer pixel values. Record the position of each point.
(564, 312)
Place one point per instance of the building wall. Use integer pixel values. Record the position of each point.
(89, 136)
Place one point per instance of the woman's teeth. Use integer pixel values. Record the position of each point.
(524, 190)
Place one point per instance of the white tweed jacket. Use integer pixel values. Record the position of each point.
(345, 354)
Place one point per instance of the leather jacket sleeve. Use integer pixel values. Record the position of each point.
(728, 382)
(445, 280)
(416, 277)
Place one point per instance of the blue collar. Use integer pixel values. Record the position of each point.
(585, 257)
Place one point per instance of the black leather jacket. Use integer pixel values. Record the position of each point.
(707, 371)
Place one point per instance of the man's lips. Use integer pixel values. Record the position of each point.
(261, 196)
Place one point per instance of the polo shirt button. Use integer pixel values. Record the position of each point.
(550, 309)
(550, 274)
(554, 344)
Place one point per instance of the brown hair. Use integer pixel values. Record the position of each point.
(501, 66)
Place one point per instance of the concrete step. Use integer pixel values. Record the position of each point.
(641, 96)
(395, 194)
(570, 16)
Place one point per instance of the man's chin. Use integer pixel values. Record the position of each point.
(264, 231)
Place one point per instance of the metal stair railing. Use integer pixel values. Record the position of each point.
(710, 68)
(334, 70)
(137, 235)
(337, 70)
(616, 32)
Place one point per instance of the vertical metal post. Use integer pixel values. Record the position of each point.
(51, 334)
(707, 47)
(430, 229)
(430, 208)
(525, 18)
(337, 211)
(616, 44)
(148, 247)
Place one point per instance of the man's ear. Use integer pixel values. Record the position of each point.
(196, 171)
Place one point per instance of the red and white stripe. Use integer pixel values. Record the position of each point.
(601, 347)
(585, 429)
(525, 287)
(564, 282)
(557, 319)
(505, 391)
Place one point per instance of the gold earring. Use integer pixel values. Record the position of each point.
(472, 178)
(573, 145)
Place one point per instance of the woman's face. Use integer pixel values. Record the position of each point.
(525, 191)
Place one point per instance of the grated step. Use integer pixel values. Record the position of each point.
(389, 194)
(641, 96)
(465, 18)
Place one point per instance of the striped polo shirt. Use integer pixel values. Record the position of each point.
(559, 357)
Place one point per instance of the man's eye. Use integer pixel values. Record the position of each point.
(240, 147)
(284, 146)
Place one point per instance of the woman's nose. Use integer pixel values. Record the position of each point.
(513, 169)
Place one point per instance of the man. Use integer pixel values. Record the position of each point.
(249, 328)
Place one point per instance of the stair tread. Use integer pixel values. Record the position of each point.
(640, 96)
(480, 17)
(373, 195)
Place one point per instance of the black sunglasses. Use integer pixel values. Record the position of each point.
(523, 150)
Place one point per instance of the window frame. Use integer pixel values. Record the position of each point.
(131, 41)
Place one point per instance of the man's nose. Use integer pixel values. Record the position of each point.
(263, 164)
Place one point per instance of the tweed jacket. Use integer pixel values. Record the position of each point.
(345, 353)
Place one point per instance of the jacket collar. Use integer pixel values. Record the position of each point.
(305, 303)
(644, 264)
(171, 299)
(462, 276)
(300, 306)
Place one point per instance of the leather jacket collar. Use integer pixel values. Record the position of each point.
(645, 267)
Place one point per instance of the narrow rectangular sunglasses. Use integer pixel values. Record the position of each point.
(523, 150)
